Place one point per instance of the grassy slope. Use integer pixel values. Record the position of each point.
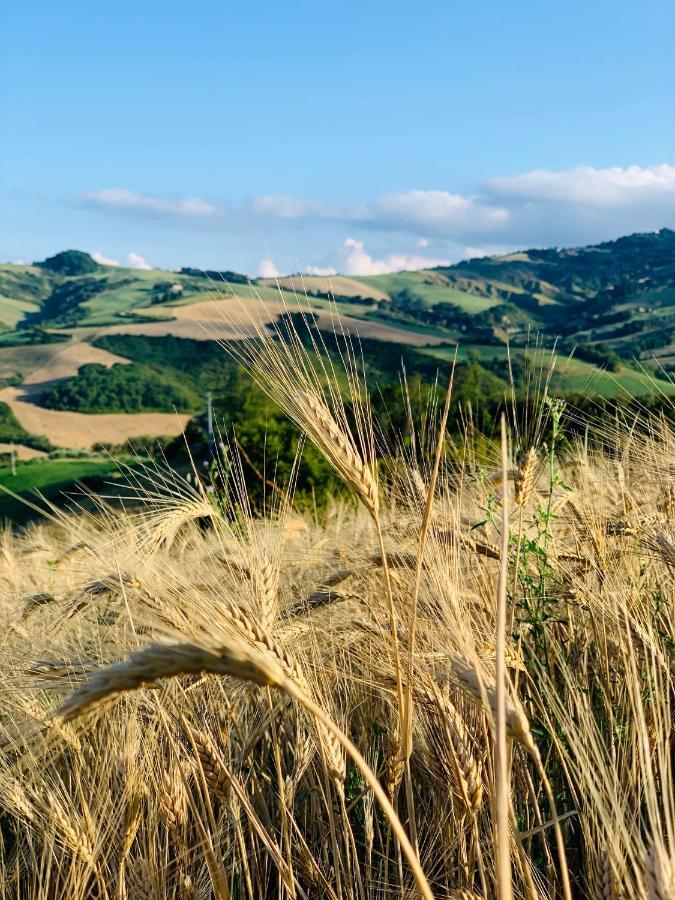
(573, 375)
(430, 293)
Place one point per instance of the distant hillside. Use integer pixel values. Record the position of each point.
(94, 355)
(616, 298)
(612, 305)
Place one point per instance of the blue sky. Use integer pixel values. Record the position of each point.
(362, 137)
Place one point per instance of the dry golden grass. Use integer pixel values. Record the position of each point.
(200, 702)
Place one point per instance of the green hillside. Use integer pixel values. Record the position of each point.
(71, 289)
(608, 313)
(618, 295)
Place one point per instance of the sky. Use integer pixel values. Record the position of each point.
(362, 137)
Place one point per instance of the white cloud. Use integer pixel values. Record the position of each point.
(323, 271)
(359, 262)
(441, 211)
(120, 198)
(535, 208)
(135, 261)
(438, 211)
(589, 186)
(102, 260)
(18, 262)
(267, 269)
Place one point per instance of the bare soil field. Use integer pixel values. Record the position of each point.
(227, 319)
(72, 430)
(65, 362)
(222, 319)
(21, 452)
(79, 431)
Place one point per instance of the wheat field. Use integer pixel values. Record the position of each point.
(457, 684)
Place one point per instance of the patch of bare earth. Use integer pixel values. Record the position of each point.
(21, 452)
(222, 319)
(74, 430)
(79, 431)
(227, 319)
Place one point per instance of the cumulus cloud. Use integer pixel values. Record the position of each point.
(135, 261)
(440, 211)
(534, 208)
(267, 269)
(589, 186)
(585, 204)
(122, 199)
(359, 262)
(102, 260)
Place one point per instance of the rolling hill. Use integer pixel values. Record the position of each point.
(93, 354)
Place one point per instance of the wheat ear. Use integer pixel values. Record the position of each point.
(660, 867)
(268, 593)
(524, 478)
(464, 763)
(169, 661)
(262, 641)
(338, 447)
(215, 774)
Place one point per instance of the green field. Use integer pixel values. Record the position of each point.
(51, 477)
(429, 293)
(571, 376)
(13, 311)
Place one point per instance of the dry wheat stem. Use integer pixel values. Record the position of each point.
(426, 520)
(502, 849)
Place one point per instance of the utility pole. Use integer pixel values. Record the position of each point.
(209, 415)
(12, 457)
